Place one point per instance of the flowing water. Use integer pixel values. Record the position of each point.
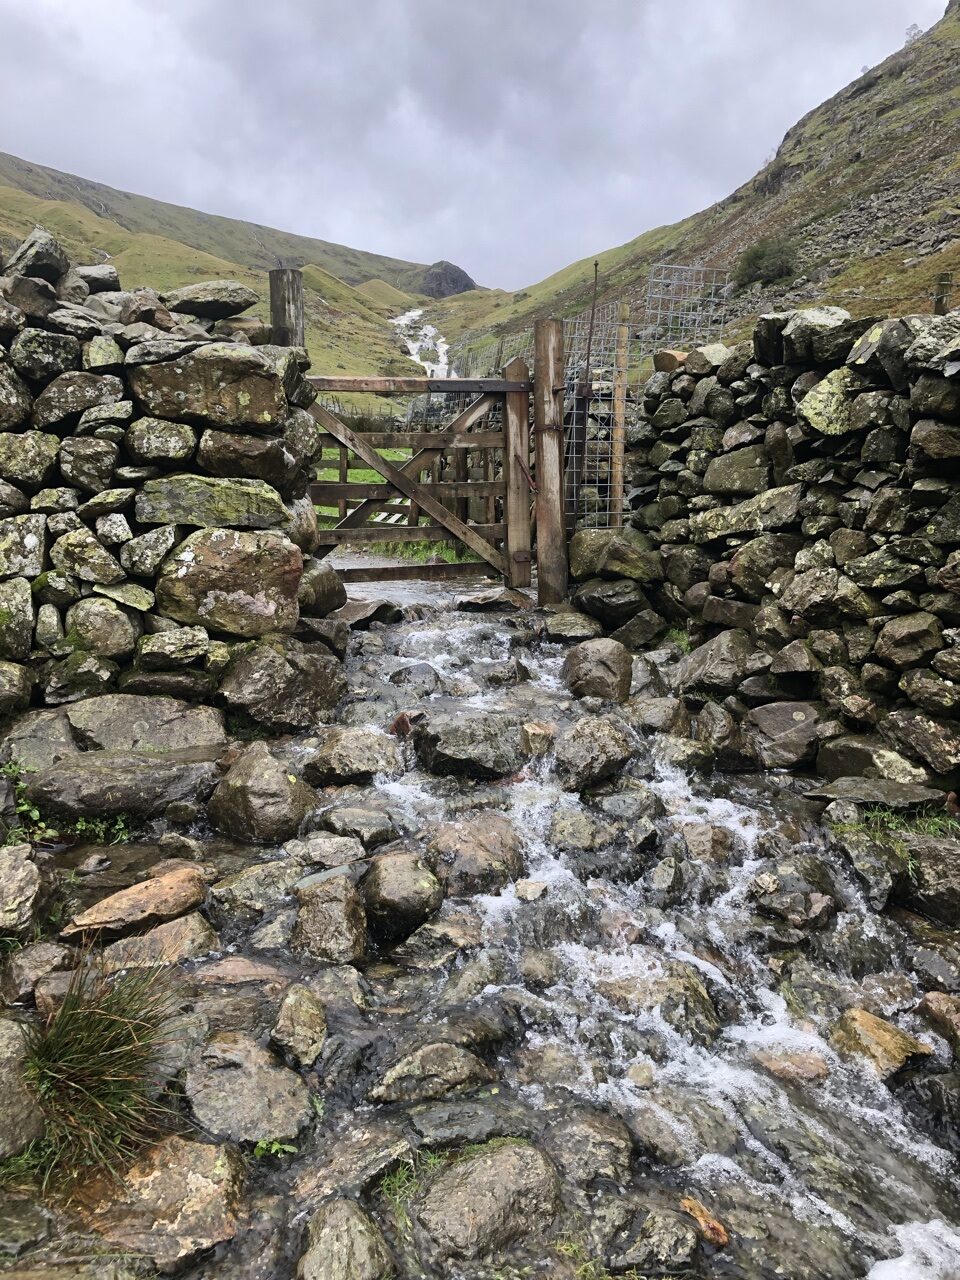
(422, 341)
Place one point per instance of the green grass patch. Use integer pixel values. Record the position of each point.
(677, 636)
(879, 821)
(93, 1069)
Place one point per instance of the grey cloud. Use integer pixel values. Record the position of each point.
(511, 136)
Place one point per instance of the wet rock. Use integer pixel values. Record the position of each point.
(675, 990)
(102, 784)
(587, 1144)
(321, 589)
(236, 1090)
(432, 1071)
(933, 887)
(775, 509)
(331, 923)
(892, 795)
(473, 746)
(160, 898)
(128, 722)
(371, 825)
(170, 943)
(613, 603)
(247, 894)
(942, 1013)
(599, 669)
(284, 684)
(21, 1120)
(592, 750)
(490, 1199)
(400, 892)
(922, 737)
(717, 666)
(666, 1242)
(884, 1047)
(785, 735)
(259, 800)
(476, 854)
(880, 867)
(343, 1243)
(799, 1067)
(220, 384)
(798, 891)
(238, 581)
(569, 624)
(351, 755)
(301, 1026)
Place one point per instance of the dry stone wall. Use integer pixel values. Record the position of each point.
(156, 534)
(796, 515)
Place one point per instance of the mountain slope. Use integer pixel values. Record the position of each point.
(867, 187)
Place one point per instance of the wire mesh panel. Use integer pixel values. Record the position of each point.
(685, 306)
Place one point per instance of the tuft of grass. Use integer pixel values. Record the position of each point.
(400, 1185)
(879, 821)
(679, 637)
(92, 1067)
(30, 827)
(586, 1267)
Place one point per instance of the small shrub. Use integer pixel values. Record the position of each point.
(30, 827)
(93, 1068)
(768, 261)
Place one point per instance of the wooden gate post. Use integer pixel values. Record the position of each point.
(941, 295)
(286, 306)
(516, 463)
(548, 443)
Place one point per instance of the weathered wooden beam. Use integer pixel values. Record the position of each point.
(417, 572)
(326, 494)
(286, 306)
(384, 532)
(416, 492)
(438, 441)
(548, 442)
(516, 463)
(419, 386)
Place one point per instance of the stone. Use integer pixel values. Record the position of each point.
(284, 684)
(16, 619)
(674, 990)
(942, 1012)
(331, 924)
(102, 355)
(128, 722)
(598, 669)
(638, 633)
(433, 1071)
(784, 735)
(143, 555)
(219, 384)
(79, 553)
(129, 594)
(301, 1026)
(64, 399)
(16, 401)
(370, 824)
(41, 356)
(717, 666)
(935, 397)
(568, 624)
(775, 509)
(477, 853)
(28, 458)
(934, 882)
(741, 474)
(99, 627)
(614, 553)
(753, 564)
(931, 693)
(244, 583)
(186, 938)
(22, 545)
(154, 440)
(21, 1119)
(592, 750)
(878, 1043)
(16, 684)
(170, 650)
(22, 890)
(919, 735)
(879, 791)
(112, 530)
(614, 603)
(866, 756)
(179, 1199)
(473, 746)
(33, 298)
(79, 675)
(106, 784)
(259, 800)
(666, 1242)
(400, 892)
(344, 1243)
(909, 639)
(210, 502)
(351, 755)
(489, 1199)
(160, 898)
(38, 255)
(321, 589)
(211, 299)
(236, 1090)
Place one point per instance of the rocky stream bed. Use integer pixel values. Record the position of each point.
(535, 992)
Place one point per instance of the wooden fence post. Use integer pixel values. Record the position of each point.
(618, 434)
(286, 306)
(548, 443)
(516, 462)
(941, 295)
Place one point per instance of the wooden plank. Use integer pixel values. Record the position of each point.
(516, 456)
(439, 441)
(326, 494)
(548, 441)
(384, 532)
(414, 491)
(618, 434)
(420, 386)
(417, 572)
(286, 306)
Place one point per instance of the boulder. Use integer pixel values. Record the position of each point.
(16, 619)
(42, 356)
(477, 853)
(21, 1120)
(740, 474)
(220, 384)
(470, 745)
(400, 892)
(434, 1070)
(211, 299)
(64, 399)
(671, 989)
(242, 582)
(88, 463)
(868, 756)
(880, 791)
(351, 755)
(80, 553)
(922, 737)
(934, 883)
(15, 399)
(259, 800)
(599, 669)
(882, 1046)
(614, 603)
(22, 891)
(331, 924)
(210, 502)
(614, 553)
(909, 639)
(22, 544)
(784, 735)
(284, 684)
(344, 1243)
(236, 1090)
(717, 666)
(489, 1199)
(775, 509)
(39, 255)
(154, 440)
(185, 938)
(127, 722)
(162, 897)
(592, 750)
(321, 589)
(301, 1026)
(101, 628)
(28, 458)
(179, 1199)
(105, 784)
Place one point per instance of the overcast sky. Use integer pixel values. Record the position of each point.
(509, 136)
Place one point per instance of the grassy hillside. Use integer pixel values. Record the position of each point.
(867, 187)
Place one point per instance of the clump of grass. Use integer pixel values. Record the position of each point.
(679, 637)
(400, 1185)
(878, 821)
(93, 1067)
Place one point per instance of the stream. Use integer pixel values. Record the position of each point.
(424, 341)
